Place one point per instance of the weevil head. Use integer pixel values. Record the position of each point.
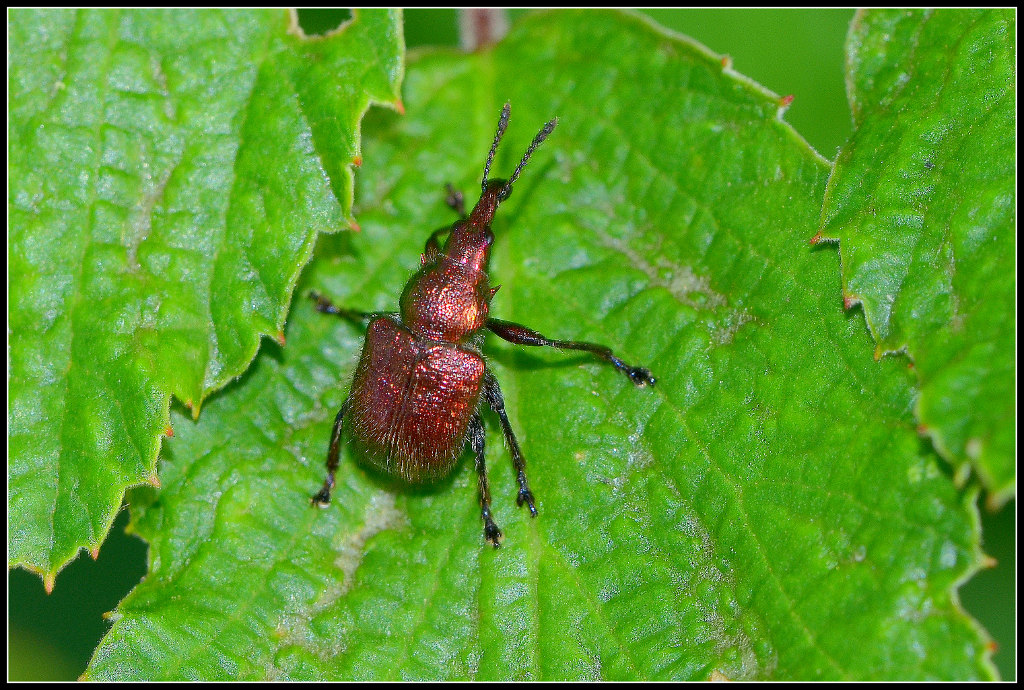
(485, 208)
(469, 243)
(470, 240)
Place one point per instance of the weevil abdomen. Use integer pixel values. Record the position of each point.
(412, 400)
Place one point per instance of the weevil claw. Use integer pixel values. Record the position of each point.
(526, 496)
(493, 534)
(641, 377)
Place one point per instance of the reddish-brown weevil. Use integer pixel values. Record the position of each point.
(421, 380)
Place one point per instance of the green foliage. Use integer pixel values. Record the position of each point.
(768, 502)
(169, 172)
(768, 510)
(923, 200)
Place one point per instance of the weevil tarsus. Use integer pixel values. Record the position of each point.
(455, 200)
(476, 442)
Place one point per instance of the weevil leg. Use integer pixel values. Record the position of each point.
(492, 393)
(323, 497)
(457, 203)
(476, 441)
(325, 306)
(455, 200)
(521, 335)
(433, 246)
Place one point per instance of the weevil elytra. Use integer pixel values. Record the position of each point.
(422, 381)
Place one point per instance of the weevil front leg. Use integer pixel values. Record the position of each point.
(323, 497)
(457, 203)
(492, 394)
(476, 442)
(455, 200)
(325, 306)
(433, 246)
(521, 335)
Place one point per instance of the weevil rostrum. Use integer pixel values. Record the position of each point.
(421, 382)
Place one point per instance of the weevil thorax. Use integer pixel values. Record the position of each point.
(449, 297)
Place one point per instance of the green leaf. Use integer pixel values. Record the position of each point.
(923, 201)
(766, 511)
(169, 173)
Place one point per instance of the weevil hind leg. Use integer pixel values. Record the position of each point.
(323, 497)
(492, 393)
(476, 441)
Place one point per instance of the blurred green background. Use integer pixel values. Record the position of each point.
(798, 52)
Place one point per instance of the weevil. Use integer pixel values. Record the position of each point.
(422, 381)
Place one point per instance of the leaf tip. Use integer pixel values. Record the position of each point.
(398, 106)
(48, 581)
(816, 239)
(354, 226)
(94, 551)
(850, 301)
(357, 161)
(279, 337)
(988, 562)
(168, 431)
(153, 481)
(727, 62)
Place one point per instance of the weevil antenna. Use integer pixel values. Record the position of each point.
(537, 141)
(502, 124)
